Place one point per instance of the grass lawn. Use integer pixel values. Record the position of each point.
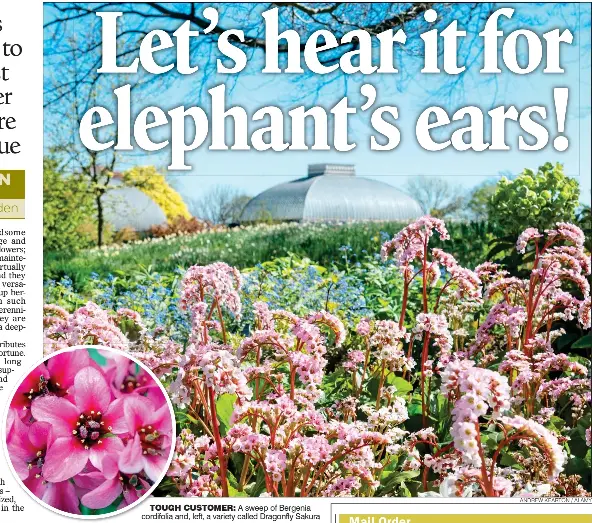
(325, 244)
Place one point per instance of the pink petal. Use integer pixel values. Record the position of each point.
(138, 412)
(131, 496)
(88, 481)
(18, 443)
(62, 496)
(154, 393)
(91, 390)
(110, 468)
(64, 367)
(10, 419)
(39, 434)
(130, 460)
(20, 467)
(36, 485)
(103, 495)
(115, 418)
(58, 412)
(154, 466)
(161, 420)
(109, 447)
(64, 459)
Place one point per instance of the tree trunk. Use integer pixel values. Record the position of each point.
(100, 220)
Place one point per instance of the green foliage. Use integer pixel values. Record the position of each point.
(225, 408)
(534, 200)
(67, 206)
(85, 511)
(583, 343)
(468, 241)
(584, 222)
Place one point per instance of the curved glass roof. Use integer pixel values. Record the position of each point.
(130, 207)
(332, 193)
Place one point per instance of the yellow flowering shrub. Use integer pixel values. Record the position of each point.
(154, 185)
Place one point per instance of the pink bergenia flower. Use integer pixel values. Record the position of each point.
(363, 327)
(105, 486)
(331, 321)
(354, 358)
(61, 495)
(584, 313)
(27, 446)
(33, 385)
(87, 325)
(80, 427)
(410, 243)
(543, 438)
(569, 232)
(125, 376)
(222, 373)
(263, 315)
(64, 367)
(275, 464)
(525, 237)
(56, 378)
(151, 437)
(218, 281)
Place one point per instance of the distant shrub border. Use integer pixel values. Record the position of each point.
(247, 246)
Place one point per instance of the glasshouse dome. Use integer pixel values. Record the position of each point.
(331, 193)
(130, 207)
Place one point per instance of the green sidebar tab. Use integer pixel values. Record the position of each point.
(12, 194)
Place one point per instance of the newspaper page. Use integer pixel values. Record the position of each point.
(295, 261)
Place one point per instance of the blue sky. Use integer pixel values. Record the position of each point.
(254, 171)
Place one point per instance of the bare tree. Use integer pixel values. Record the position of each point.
(94, 169)
(61, 124)
(436, 195)
(221, 205)
(477, 204)
(139, 18)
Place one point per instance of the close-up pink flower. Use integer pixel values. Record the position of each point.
(150, 437)
(78, 443)
(84, 426)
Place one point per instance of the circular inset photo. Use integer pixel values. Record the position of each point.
(90, 431)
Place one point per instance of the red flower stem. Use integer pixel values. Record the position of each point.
(424, 276)
(244, 471)
(291, 489)
(529, 303)
(487, 481)
(442, 292)
(424, 357)
(218, 440)
(323, 468)
(404, 304)
(224, 338)
(505, 442)
(258, 363)
(303, 489)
